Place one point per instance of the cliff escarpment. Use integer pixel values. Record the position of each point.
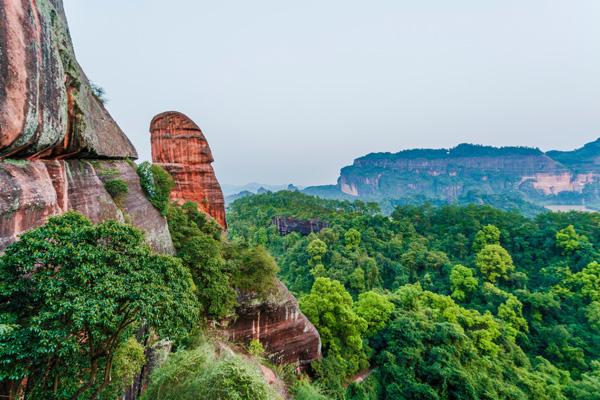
(60, 149)
(469, 173)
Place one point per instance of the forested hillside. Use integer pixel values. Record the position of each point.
(521, 178)
(451, 302)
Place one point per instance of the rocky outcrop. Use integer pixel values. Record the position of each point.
(286, 334)
(179, 146)
(469, 172)
(32, 191)
(47, 106)
(287, 225)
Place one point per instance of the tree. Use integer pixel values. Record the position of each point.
(374, 308)
(489, 234)
(77, 291)
(494, 262)
(316, 249)
(198, 245)
(462, 282)
(568, 240)
(352, 239)
(254, 269)
(329, 308)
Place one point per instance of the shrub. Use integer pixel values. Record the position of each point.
(173, 379)
(232, 379)
(256, 348)
(117, 188)
(198, 375)
(305, 391)
(157, 184)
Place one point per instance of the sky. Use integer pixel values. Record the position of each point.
(291, 91)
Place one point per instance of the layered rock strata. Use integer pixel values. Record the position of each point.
(179, 146)
(286, 334)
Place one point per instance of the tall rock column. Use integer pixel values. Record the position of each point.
(180, 147)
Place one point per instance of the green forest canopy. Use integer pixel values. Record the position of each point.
(451, 302)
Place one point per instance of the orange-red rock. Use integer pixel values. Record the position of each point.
(179, 146)
(286, 334)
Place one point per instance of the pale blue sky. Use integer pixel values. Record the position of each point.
(292, 91)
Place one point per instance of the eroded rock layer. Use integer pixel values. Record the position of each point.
(47, 106)
(32, 191)
(286, 334)
(179, 146)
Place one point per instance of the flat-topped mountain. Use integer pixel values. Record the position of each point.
(471, 173)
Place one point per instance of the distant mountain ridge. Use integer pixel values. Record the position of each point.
(471, 173)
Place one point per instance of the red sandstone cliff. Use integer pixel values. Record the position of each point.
(287, 335)
(47, 106)
(52, 127)
(179, 146)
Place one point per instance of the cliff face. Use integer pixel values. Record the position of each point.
(468, 171)
(47, 105)
(32, 191)
(286, 334)
(179, 146)
(57, 141)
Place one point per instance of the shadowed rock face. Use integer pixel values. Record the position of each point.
(286, 334)
(179, 146)
(47, 106)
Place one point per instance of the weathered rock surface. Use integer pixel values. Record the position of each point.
(47, 106)
(286, 334)
(32, 191)
(179, 146)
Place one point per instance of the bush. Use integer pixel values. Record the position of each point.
(255, 348)
(198, 375)
(232, 379)
(305, 391)
(117, 188)
(173, 379)
(157, 184)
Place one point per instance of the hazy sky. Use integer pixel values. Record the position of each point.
(291, 91)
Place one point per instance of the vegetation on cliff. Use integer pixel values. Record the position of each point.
(443, 302)
(81, 304)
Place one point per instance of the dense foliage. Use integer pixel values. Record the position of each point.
(199, 374)
(218, 266)
(157, 184)
(72, 296)
(451, 302)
